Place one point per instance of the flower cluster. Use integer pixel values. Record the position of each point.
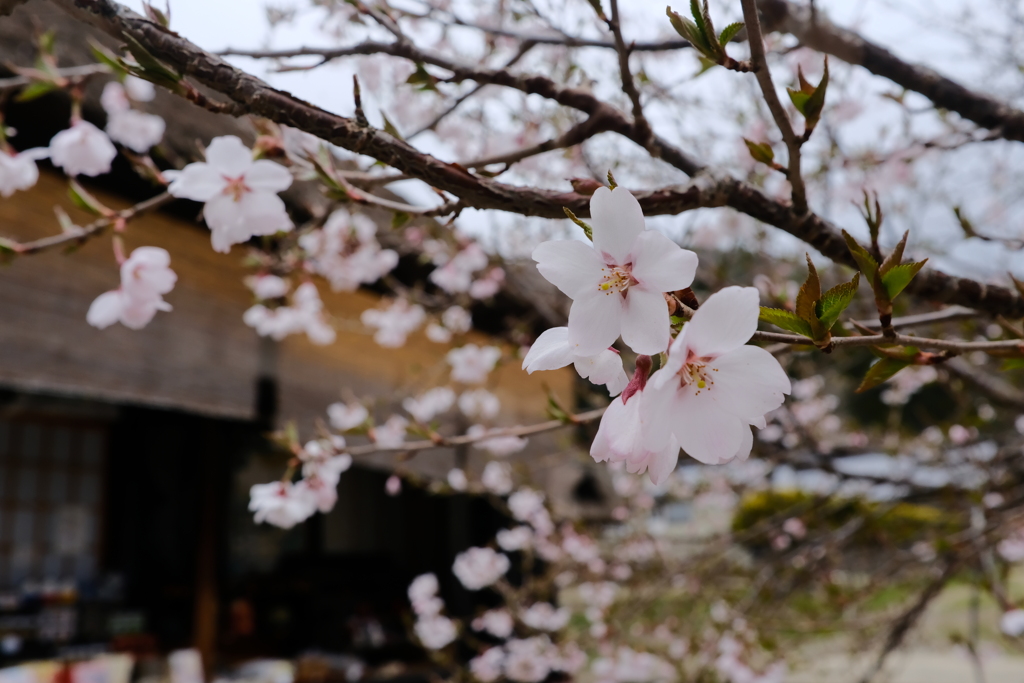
(305, 314)
(394, 323)
(145, 277)
(346, 251)
(134, 129)
(712, 386)
(434, 630)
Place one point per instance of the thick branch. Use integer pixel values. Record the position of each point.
(818, 33)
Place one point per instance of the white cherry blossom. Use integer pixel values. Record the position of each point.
(305, 314)
(136, 130)
(623, 436)
(346, 251)
(488, 665)
(145, 277)
(268, 286)
(498, 446)
(394, 323)
(528, 660)
(82, 149)
(391, 434)
(479, 404)
(435, 632)
(552, 350)
(714, 386)
(457, 274)
(617, 284)
(543, 616)
(497, 478)
(516, 538)
(488, 285)
(438, 334)
(344, 417)
(478, 568)
(18, 170)
(497, 622)
(423, 595)
(139, 89)
(471, 363)
(280, 503)
(1012, 623)
(240, 194)
(433, 402)
(457, 319)
(457, 479)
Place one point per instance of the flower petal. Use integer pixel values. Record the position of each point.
(105, 309)
(604, 368)
(229, 156)
(750, 383)
(268, 176)
(264, 213)
(745, 446)
(550, 352)
(617, 219)
(222, 212)
(199, 182)
(705, 429)
(663, 463)
(594, 322)
(645, 323)
(574, 267)
(727, 320)
(660, 264)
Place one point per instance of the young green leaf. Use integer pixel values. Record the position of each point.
(390, 128)
(729, 32)
(895, 257)
(865, 261)
(810, 292)
(151, 68)
(760, 151)
(798, 98)
(898, 277)
(35, 90)
(85, 201)
(422, 78)
(690, 31)
(881, 371)
(815, 103)
(611, 181)
(834, 301)
(105, 56)
(787, 320)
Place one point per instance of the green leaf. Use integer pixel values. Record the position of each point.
(760, 151)
(1013, 364)
(105, 56)
(85, 201)
(816, 102)
(35, 90)
(150, 67)
(689, 30)
(865, 261)
(729, 32)
(47, 42)
(895, 257)
(810, 292)
(798, 98)
(587, 230)
(422, 78)
(881, 371)
(787, 320)
(899, 277)
(399, 219)
(611, 181)
(390, 128)
(698, 14)
(834, 301)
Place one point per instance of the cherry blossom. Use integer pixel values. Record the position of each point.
(488, 665)
(457, 319)
(617, 284)
(304, 315)
(478, 568)
(1012, 623)
(527, 505)
(516, 538)
(135, 130)
(280, 503)
(18, 170)
(435, 632)
(498, 446)
(497, 478)
(552, 351)
(457, 274)
(431, 403)
(457, 479)
(471, 363)
(145, 277)
(479, 404)
(438, 334)
(543, 616)
(139, 89)
(497, 622)
(528, 660)
(713, 386)
(488, 285)
(346, 251)
(82, 149)
(623, 436)
(393, 486)
(423, 595)
(394, 323)
(268, 286)
(344, 417)
(1011, 548)
(391, 434)
(239, 193)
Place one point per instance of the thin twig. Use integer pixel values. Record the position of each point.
(900, 340)
(69, 72)
(945, 315)
(771, 98)
(644, 131)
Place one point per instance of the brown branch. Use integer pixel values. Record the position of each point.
(465, 439)
(85, 233)
(254, 96)
(573, 136)
(818, 33)
(771, 98)
(955, 345)
(643, 128)
(998, 389)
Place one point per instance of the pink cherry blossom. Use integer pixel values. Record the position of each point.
(617, 284)
(552, 351)
(82, 149)
(457, 319)
(305, 314)
(543, 616)
(393, 486)
(145, 277)
(517, 538)
(713, 386)
(391, 434)
(268, 287)
(281, 504)
(346, 251)
(457, 274)
(471, 363)
(478, 568)
(139, 89)
(1012, 623)
(457, 479)
(240, 194)
(488, 285)
(18, 171)
(438, 334)
(423, 595)
(344, 417)
(528, 660)
(498, 446)
(136, 130)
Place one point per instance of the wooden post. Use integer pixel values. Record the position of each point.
(205, 624)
